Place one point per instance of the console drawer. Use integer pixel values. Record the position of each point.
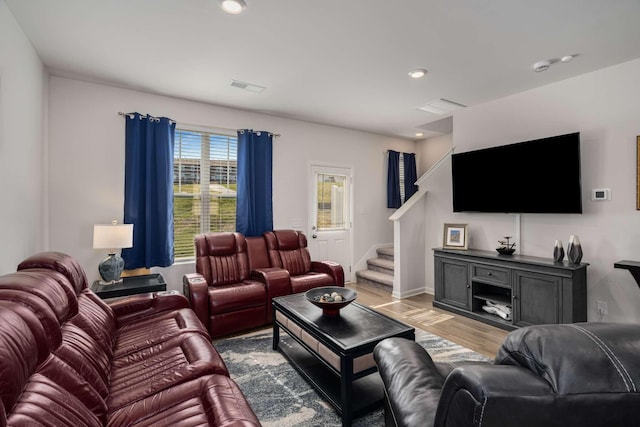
(495, 275)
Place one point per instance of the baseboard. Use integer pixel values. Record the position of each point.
(409, 293)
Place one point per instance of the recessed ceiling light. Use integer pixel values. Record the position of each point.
(418, 73)
(545, 64)
(419, 134)
(541, 66)
(233, 7)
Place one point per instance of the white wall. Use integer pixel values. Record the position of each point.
(430, 150)
(86, 138)
(408, 241)
(22, 90)
(603, 106)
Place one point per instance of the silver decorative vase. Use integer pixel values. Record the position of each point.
(574, 250)
(558, 251)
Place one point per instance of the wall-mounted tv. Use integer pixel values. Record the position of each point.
(540, 176)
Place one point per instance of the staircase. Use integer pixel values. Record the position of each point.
(379, 272)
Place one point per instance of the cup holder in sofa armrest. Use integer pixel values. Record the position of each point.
(167, 293)
(137, 307)
(195, 289)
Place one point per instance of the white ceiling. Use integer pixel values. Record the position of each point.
(339, 62)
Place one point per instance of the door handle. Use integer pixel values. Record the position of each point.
(315, 236)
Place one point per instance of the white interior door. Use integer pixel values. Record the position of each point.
(330, 235)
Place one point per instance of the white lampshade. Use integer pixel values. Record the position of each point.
(112, 236)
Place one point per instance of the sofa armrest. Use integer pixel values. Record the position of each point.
(331, 268)
(137, 307)
(495, 395)
(475, 394)
(411, 381)
(195, 288)
(277, 281)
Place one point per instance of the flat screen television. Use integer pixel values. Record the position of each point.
(540, 176)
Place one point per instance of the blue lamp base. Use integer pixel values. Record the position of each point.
(110, 269)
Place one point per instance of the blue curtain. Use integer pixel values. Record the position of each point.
(148, 190)
(393, 180)
(410, 175)
(254, 210)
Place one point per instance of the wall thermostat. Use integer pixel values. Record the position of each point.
(599, 194)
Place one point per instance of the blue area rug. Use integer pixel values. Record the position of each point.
(281, 397)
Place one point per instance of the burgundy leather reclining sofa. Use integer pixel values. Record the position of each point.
(69, 359)
(237, 277)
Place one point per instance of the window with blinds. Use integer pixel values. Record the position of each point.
(204, 186)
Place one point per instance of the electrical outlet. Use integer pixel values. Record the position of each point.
(602, 308)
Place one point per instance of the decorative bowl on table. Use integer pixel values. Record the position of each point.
(331, 298)
(507, 247)
(506, 251)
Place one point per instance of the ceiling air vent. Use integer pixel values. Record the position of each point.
(247, 86)
(441, 106)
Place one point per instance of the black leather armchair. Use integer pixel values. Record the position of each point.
(582, 374)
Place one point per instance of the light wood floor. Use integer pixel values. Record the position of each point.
(418, 311)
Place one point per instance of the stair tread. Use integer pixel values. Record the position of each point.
(380, 262)
(376, 276)
(387, 250)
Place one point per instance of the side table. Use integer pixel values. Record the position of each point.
(632, 266)
(130, 286)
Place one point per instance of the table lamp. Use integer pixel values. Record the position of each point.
(112, 236)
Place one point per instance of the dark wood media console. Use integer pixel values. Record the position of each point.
(539, 290)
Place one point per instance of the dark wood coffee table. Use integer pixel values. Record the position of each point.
(334, 354)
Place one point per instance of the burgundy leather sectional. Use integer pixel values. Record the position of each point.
(69, 359)
(237, 277)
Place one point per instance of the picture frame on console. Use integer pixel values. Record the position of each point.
(455, 236)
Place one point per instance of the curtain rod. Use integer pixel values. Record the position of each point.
(387, 152)
(120, 113)
(131, 115)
